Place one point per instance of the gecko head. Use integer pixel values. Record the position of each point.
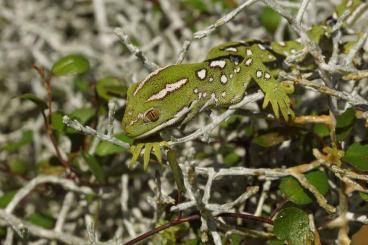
(153, 103)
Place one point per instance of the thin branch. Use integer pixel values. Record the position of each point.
(124, 38)
(222, 21)
(25, 190)
(301, 11)
(24, 227)
(352, 99)
(90, 131)
(67, 204)
(216, 121)
(211, 28)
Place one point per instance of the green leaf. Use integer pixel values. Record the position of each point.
(6, 198)
(27, 137)
(231, 158)
(235, 239)
(70, 65)
(110, 87)
(270, 139)
(269, 19)
(344, 124)
(363, 196)
(83, 114)
(321, 130)
(33, 98)
(291, 188)
(105, 148)
(94, 167)
(357, 155)
(292, 225)
(176, 170)
(345, 119)
(18, 166)
(42, 220)
(57, 121)
(82, 85)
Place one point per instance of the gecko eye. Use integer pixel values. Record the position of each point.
(152, 115)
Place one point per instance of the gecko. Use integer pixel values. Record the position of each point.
(177, 93)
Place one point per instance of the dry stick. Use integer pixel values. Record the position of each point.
(312, 47)
(265, 190)
(90, 131)
(124, 38)
(302, 9)
(354, 50)
(343, 237)
(352, 99)
(204, 33)
(192, 218)
(25, 190)
(319, 197)
(65, 208)
(19, 225)
(24, 227)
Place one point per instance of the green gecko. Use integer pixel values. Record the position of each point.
(176, 93)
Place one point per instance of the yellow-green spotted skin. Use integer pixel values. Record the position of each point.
(176, 93)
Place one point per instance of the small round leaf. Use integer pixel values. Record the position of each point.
(357, 155)
(269, 19)
(291, 188)
(109, 87)
(33, 98)
(70, 65)
(292, 225)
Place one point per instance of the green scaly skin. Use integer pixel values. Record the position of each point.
(179, 92)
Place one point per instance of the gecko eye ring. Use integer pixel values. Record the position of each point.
(151, 115)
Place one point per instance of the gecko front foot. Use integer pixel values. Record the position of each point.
(147, 148)
(280, 101)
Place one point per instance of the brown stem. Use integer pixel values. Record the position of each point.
(181, 220)
(46, 79)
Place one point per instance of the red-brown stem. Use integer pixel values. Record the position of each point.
(46, 79)
(181, 220)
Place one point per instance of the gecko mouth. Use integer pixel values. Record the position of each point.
(177, 118)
